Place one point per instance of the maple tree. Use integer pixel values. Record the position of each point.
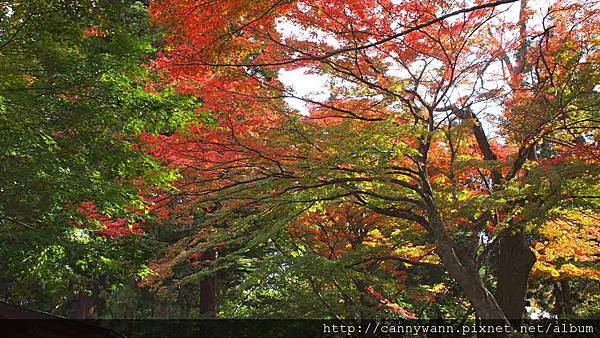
(401, 133)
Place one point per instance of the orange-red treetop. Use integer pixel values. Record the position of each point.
(438, 98)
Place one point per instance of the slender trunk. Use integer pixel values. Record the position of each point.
(515, 261)
(161, 311)
(85, 307)
(208, 290)
(563, 302)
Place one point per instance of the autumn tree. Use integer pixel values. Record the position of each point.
(476, 122)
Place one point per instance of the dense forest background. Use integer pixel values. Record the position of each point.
(155, 163)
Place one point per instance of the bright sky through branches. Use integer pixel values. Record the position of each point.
(306, 84)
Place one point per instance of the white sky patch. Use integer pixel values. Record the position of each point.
(303, 84)
(293, 30)
(537, 313)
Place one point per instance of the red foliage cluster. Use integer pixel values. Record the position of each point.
(112, 227)
(586, 153)
(335, 231)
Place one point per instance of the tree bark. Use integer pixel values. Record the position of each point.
(161, 311)
(463, 270)
(563, 301)
(515, 261)
(468, 279)
(208, 289)
(85, 307)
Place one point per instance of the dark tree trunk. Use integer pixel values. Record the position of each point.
(464, 271)
(85, 307)
(208, 289)
(470, 282)
(161, 311)
(515, 261)
(563, 301)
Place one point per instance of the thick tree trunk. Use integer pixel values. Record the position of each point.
(515, 261)
(208, 290)
(470, 282)
(464, 272)
(462, 269)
